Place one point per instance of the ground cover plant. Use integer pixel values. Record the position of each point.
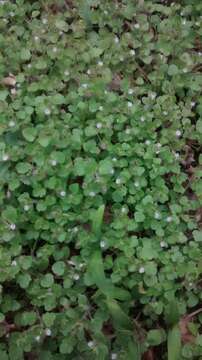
(101, 179)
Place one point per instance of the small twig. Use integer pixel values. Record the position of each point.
(193, 314)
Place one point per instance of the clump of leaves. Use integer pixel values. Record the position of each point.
(101, 180)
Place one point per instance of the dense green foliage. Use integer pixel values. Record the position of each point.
(101, 179)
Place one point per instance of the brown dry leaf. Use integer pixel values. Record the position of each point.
(149, 355)
(183, 325)
(186, 336)
(9, 80)
(115, 83)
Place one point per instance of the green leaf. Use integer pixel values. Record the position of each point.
(174, 343)
(156, 337)
(197, 235)
(47, 281)
(121, 321)
(172, 70)
(25, 54)
(96, 270)
(199, 126)
(85, 12)
(49, 319)
(97, 218)
(172, 314)
(28, 318)
(3, 95)
(134, 351)
(24, 280)
(23, 167)
(29, 133)
(44, 140)
(59, 268)
(139, 216)
(105, 167)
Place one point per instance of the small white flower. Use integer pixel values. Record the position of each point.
(118, 181)
(53, 162)
(36, 38)
(141, 270)
(99, 125)
(48, 332)
(75, 229)
(130, 91)
(121, 58)
(124, 210)
(101, 108)
(81, 265)
(26, 207)
(88, 71)
(105, 12)
(76, 277)
(37, 338)
(132, 52)
(8, 194)
(165, 113)
(177, 155)
(102, 244)
(142, 118)
(200, 53)
(193, 103)
(191, 284)
(197, 23)
(106, 92)
(163, 244)
(11, 123)
(5, 157)
(11, 13)
(136, 183)
(116, 40)
(84, 86)
(147, 142)
(178, 133)
(62, 193)
(130, 104)
(169, 219)
(184, 22)
(29, 66)
(14, 263)
(157, 215)
(128, 131)
(66, 73)
(113, 356)
(13, 91)
(61, 33)
(92, 194)
(44, 21)
(114, 159)
(111, 171)
(153, 96)
(137, 26)
(90, 344)
(47, 111)
(12, 227)
(158, 145)
(100, 63)
(185, 70)
(55, 49)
